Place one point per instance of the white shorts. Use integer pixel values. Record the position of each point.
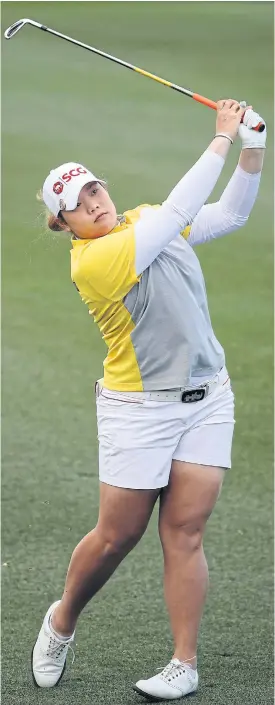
(139, 439)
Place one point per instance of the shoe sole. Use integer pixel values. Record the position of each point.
(52, 686)
(156, 699)
(150, 698)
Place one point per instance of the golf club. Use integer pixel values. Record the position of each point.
(14, 28)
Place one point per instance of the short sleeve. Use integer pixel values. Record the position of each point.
(108, 265)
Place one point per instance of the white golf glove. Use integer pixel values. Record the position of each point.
(251, 139)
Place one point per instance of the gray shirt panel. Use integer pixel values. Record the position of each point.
(173, 337)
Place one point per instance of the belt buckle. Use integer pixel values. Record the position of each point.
(193, 395)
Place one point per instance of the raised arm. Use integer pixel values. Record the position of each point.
(232, 211)
(188, 197)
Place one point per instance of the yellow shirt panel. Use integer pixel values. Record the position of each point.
(116, 325)
(105, 267)
(134, 216)
(103, 271)
(186, 232)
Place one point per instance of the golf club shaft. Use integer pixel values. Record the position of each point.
(196, 96)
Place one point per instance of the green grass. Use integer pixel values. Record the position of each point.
(59, 103)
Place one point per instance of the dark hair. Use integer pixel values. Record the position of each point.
(56, 222)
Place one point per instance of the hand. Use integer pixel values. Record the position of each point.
(229, 115)
(251, 139)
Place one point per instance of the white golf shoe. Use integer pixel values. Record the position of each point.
(175, 681)
(49, 654)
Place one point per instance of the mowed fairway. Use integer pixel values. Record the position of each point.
(61, 104)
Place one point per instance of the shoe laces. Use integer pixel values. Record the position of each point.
(174, 669)
(56, 649)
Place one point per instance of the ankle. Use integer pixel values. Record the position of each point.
(60, 625)
(192, 662)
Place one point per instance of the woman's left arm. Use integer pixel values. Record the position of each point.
(232, 211)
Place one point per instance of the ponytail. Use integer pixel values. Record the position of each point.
(55, 223)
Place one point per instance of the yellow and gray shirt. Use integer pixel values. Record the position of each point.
(154, 319)
(156, 325)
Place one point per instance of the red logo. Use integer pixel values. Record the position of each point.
(58, 187)
(72, 173)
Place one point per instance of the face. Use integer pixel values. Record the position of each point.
(95, 214)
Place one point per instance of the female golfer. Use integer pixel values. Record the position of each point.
(165, 408)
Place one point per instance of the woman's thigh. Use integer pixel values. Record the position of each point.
(124, 513)
(190, 496)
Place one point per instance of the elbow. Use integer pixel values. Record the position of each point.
(177, 213)
(240, 222)
(234, 221)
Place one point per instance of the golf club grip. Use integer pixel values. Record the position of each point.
(211, 104)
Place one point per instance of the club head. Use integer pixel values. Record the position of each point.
(11, 31)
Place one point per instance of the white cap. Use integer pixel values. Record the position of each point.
(63, 185)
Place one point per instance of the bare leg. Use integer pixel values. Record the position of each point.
(123, 518)
(185, 506)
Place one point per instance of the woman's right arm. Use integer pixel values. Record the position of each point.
(190, 194)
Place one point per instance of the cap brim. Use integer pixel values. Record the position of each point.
(70, 198)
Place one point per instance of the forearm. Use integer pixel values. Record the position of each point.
(179, 209)
(195, 187)
(251, 160)
(221, 146)
(232, 210)
(189, 195)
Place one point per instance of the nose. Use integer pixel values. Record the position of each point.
(92, 207)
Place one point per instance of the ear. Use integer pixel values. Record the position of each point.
(63, 224)
(66, 228)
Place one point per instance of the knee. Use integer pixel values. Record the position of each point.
(114, 542)
(185, 537)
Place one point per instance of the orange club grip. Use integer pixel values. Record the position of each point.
(205, 101)
(211, 104)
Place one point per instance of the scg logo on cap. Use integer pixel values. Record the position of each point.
(72, 173)
(58, 187)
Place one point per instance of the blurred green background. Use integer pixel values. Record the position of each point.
(60, 103)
